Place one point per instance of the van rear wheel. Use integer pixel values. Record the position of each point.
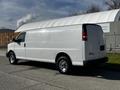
(64, 65)
(12, 58)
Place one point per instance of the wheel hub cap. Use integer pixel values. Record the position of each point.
(63, 65)
(12, 59)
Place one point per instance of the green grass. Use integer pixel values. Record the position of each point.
(114, 58)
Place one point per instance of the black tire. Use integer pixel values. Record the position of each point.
(64, 65)
(12, 58)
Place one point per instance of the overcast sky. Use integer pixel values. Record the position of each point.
(13, 10)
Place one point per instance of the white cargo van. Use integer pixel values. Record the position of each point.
(64, 45)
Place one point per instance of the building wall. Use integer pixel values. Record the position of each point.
(5, 38)
(112, 38)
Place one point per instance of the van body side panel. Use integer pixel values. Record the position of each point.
(68, 40)
(45, 44)
(36, 41)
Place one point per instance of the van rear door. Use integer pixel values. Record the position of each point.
(94, 42)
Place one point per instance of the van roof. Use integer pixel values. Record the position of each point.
(100, 17)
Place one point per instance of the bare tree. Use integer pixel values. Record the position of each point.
(93, 8)
(113, 4)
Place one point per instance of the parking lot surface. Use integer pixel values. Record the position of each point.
(29, 75)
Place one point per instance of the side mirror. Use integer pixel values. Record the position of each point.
(13, 40)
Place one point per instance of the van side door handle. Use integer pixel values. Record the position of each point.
(24, 44)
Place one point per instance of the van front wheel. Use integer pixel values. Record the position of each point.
(12, 58)
(64, 65)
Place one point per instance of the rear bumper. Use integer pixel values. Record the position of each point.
(96, 61)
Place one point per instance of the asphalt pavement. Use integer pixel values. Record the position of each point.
(3, 51)
(29, 75)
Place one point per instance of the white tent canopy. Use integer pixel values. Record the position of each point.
(100, 17)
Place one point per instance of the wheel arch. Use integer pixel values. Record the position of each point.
(9, 53)
(62, 54)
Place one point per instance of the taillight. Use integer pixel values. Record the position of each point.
(84, 35)
(84, 32)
